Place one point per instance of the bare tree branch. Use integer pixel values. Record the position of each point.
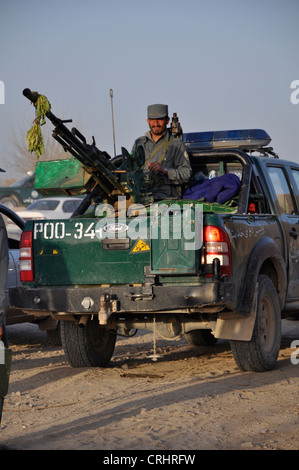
(20, 159)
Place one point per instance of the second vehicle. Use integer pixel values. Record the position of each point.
(45, 208)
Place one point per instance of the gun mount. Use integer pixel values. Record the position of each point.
(91, 170)
(176, 128)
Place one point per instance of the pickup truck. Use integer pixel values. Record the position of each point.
(19, 194)
(236, 282)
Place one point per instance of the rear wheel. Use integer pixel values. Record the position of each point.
(200, 338)
(261, 352)
(91, 346)
(10, 201)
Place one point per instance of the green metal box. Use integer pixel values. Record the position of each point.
(57, 177)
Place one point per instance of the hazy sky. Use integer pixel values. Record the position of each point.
(220, 64)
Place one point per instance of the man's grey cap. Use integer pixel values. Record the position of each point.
(157, 111)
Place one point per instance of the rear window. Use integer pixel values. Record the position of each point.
(212, 167)
(70, 206)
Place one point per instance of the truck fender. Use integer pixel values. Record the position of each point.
(239, 324)
(264, 256)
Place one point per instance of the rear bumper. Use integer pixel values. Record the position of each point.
(125, 299)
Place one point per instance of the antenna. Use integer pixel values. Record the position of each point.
(111, 96)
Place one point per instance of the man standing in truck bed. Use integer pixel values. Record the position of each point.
(167, 163)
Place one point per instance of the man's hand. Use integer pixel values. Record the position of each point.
(156, 167)
(1, 332)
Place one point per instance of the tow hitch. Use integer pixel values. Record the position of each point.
(107, 307)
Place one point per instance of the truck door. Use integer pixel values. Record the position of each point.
(286, 204)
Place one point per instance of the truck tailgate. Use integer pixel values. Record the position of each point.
(63, 254)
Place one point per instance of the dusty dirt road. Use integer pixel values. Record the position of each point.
(190, 398)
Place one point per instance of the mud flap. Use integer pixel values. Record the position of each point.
(239, 329)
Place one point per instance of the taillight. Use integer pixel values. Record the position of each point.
(26, 257)
(216, 245)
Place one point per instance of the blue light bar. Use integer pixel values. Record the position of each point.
(243, 138)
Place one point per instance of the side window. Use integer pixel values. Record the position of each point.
(295, 174)
(282, 190)
(70, 206)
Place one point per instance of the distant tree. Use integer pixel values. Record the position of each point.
(15, 157)
(22, 160)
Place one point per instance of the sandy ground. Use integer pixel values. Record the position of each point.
(189, 399)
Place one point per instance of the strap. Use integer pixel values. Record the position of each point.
(163, 144)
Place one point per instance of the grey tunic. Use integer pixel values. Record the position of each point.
(171, 153)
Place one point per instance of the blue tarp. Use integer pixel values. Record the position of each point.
(219, 189)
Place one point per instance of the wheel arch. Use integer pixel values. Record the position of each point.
(13, 197)
(265, 259)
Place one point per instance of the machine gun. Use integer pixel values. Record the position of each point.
(96, 174)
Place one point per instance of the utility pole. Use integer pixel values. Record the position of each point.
(111, 96)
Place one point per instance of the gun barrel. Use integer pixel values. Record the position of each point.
(30, 95)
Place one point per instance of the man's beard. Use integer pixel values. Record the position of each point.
(158, 130)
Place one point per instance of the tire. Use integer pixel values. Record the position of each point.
(92, 346)
(261, 352)
(10, 201)
(54, 336)
(200, 338)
